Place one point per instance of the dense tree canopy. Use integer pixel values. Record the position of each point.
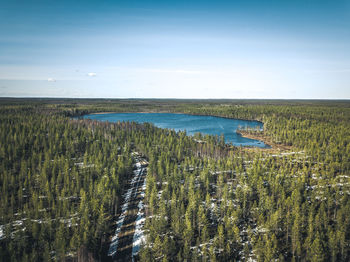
(62, 180)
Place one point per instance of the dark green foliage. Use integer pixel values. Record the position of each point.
(61, 182)
(62, 179)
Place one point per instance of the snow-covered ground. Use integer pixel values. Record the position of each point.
(139, 237)
(140, 216)
(2, 233)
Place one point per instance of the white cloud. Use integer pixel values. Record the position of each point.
(174, 71)
(51, 80)
(92, 74)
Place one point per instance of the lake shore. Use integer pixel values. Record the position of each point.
(100, 113)
(266, 139)
(171, 112)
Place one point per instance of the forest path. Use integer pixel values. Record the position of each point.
(121, 247)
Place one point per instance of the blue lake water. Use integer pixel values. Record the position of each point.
(210, 125)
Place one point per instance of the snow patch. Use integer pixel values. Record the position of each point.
(2, 233)
(139, 237)
(133, 187)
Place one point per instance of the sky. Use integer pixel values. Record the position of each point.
(285, 49)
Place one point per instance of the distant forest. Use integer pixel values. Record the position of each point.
(62, 179)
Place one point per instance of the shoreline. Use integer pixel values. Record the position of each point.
(178, 113)
(262, 138)
(267, 141)
(99, 113)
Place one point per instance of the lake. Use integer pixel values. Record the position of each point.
(210, 125)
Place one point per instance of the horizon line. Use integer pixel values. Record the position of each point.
(168, 98)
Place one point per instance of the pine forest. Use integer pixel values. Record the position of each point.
(75, 189)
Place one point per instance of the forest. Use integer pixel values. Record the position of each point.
(63, 178)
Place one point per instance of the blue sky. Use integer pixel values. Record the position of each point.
(175, 49)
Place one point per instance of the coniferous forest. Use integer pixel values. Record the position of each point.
(63, 180)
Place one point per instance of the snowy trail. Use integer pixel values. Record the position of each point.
(139, 237)
(122, 239)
